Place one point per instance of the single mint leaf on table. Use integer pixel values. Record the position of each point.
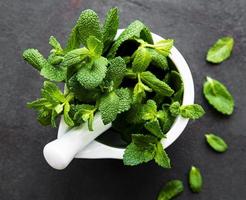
(218, 96)
(135, 29)
(88, 25)
(141, 61)
(170, 190)
(216, 143)
(110, 27)
(92, 75)
(156, 84)
(221, 50)
(161, 157)
(195, 179)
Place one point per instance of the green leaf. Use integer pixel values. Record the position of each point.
(109, 106)
(135, 29)
(139, 92)
(92, 76)
(88, 24)
(168, 121)
(195, 179)
(75, 56)
(218, 96)
(44, 116)
(125, 99)
(157, 59)
(52, 93)
(57, 49)
(116, 71)
(164, 46)
(193, 111)
(175, 109)
(34, 58)
(85, 112)
(149, 110)
(221, 50)
(73, 41)
(141, 61)
(110, 27)
(216, 143)
(68, 120)
(95, 46)
(154, 128)
(161, 157)
(157, 85)
(141, 150)
(170, 190)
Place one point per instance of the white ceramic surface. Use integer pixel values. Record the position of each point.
(70, 144)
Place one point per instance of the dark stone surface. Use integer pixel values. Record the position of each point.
(195, 25)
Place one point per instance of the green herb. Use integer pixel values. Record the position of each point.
(195, 179)
(221, 50)
(130, 81)
(218, 96)
(170, 190)
(193, 111)
(216, 143)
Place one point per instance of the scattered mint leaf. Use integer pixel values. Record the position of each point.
(216, 143)
(218, 96)
(221, 50)
(195, 179)
(170, 190)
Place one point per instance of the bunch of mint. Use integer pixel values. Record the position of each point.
(131, 81)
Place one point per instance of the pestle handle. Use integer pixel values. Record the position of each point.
(60, 152)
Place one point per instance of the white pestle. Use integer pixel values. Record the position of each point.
(60, 152)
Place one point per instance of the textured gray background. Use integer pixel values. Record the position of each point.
(195, 25)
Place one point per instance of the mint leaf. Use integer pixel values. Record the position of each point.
(216, 143)
(52, 93)
(139, 92)
(164, 46)
(95, 46)
(125, 99)
(116, 71)
(154, 128)
(157, 59)
(68, 120)
(149, 110)
(195, 179)
(157, 85)
(141, 61)
(57, 49)
(109, 107)
(88, 24)
(141, 150)
(92, 75)
(193, 111)
(175, 109)
(221, 50)
(85, 113)
(110, 27)
(73, 41)
(135, 29)
(161, 157)
(75, 56)
(170, 190)
(34, 58)
(218, 96)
